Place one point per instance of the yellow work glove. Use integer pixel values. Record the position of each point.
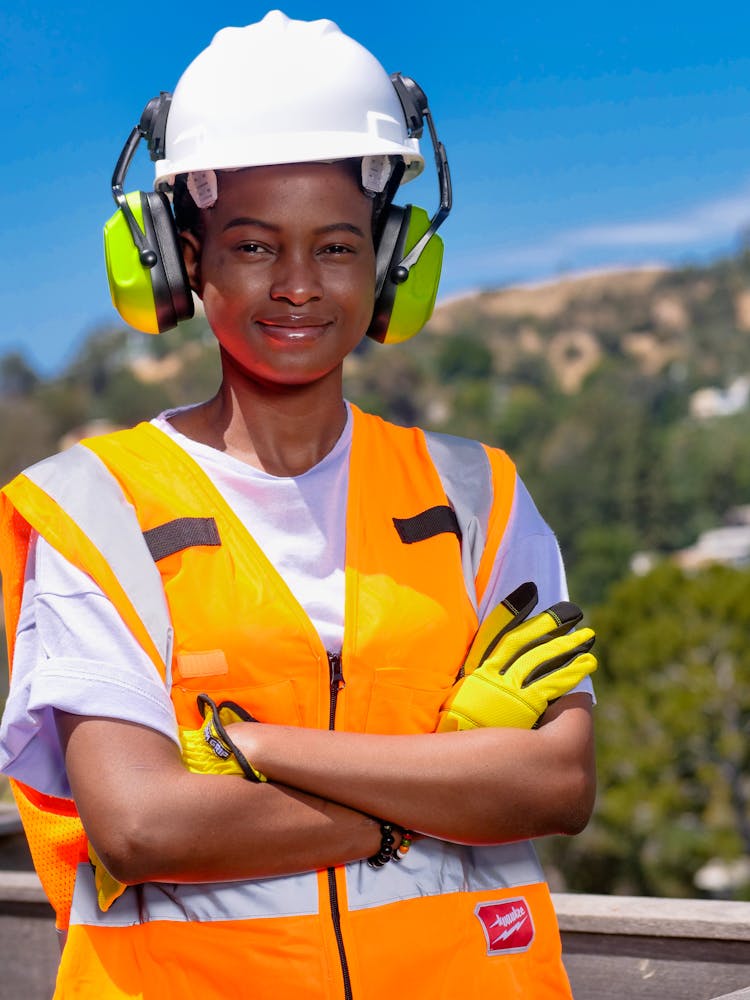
(108, 889)
(209, 750)
(516, 667)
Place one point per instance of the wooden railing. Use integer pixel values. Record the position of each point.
(616, 947)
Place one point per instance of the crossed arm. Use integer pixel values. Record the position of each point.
(151, 819)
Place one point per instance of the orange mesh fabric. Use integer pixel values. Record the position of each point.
(57, 843)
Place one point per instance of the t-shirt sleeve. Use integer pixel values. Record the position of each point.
(528, 552)
(73, 653)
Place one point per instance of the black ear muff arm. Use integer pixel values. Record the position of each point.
(153, 124)
(416, 112)
(146, 254)
(401, 272)
(413, 103)
(151, 127)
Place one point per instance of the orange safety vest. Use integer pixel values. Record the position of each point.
(136, 513)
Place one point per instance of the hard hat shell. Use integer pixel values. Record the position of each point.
(283, 91)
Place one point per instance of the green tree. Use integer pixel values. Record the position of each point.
(27, 435)
(17, 377)
(464, 356)
(672, 718)
(602, 553)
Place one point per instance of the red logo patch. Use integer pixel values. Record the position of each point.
(507, 925)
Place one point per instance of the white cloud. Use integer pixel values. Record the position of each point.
(712, 222)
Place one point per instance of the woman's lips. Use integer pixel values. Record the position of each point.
(295, 328)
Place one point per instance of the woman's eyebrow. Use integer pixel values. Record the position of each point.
(245, 220)
(348, 227)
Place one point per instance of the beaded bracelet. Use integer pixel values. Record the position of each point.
(407, 837)
(387, 840)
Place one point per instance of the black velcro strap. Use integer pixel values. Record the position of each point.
(182, 533)
(431, 522)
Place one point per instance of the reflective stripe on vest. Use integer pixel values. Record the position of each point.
(284, 896)
(466, 476)
(91, 507)
(433, 868)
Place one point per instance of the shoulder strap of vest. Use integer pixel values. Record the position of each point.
(466, 475)
(82, 486)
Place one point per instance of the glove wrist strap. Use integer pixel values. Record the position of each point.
(213, 720)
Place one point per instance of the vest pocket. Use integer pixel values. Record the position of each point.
(276, 702)
(397, 708)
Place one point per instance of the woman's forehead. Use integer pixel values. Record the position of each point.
(334, 185)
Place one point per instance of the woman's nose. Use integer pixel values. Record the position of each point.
(295, 279)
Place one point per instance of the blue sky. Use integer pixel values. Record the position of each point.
(579, 135)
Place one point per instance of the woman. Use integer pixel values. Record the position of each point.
(312, 576)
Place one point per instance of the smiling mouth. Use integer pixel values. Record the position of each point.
(293, 328)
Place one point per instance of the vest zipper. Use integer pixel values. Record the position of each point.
(337, 683)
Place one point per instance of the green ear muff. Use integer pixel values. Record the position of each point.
(151, 299)
(409, 253)
(403, 307)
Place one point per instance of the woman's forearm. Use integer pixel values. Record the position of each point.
(482, 786)
(151, 819)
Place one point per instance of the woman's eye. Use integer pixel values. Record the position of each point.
(336, 249)
(252, 248)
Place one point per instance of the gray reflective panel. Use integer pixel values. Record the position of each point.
(465, 472)
(286, 896)
(79, 482)
(433, 867)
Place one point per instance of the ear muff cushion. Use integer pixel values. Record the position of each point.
(173, 298)
(390, 253)
(401, 310)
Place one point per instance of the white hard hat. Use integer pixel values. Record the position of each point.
(283, 91)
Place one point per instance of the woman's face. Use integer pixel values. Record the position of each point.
(286, 270)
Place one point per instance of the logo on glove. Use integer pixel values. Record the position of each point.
(216, 745)
(507, 925)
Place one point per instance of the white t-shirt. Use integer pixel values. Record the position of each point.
(73, 653)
